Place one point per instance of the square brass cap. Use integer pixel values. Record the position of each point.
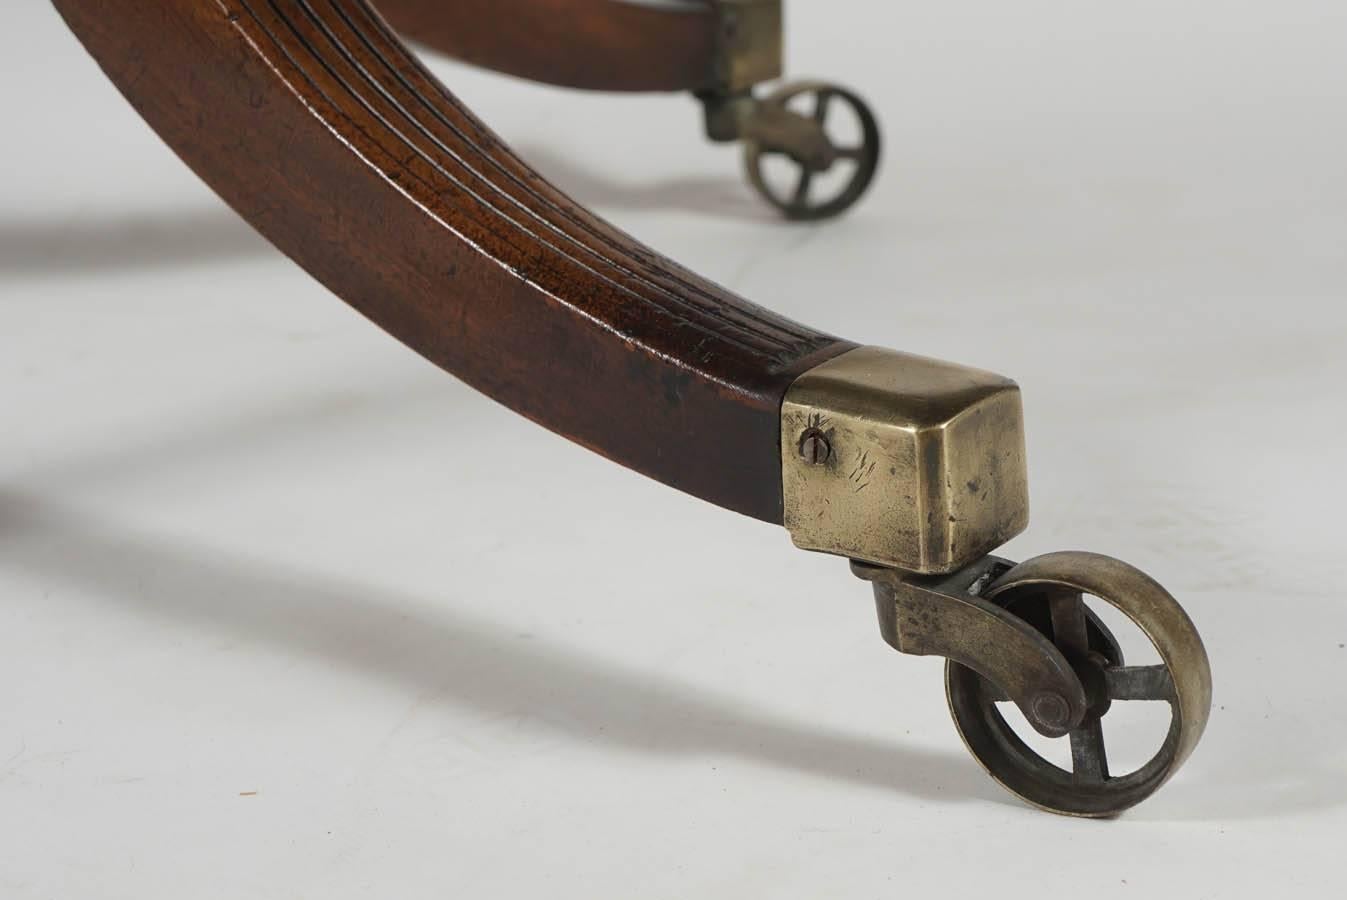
(751, 43)
(903, 461)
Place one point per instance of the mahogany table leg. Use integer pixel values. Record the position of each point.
(317, 125)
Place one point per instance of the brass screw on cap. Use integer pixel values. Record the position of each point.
(814, 447)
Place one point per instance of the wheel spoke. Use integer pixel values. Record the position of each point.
(1089, 762)
(801, 198)
(1070, 627)
(1139, 683)
(856, 153)
(821, 106)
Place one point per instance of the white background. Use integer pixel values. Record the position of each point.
(285, 612)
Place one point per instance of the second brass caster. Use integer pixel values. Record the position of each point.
(793, 124)
(1023, 634)
(793, 154)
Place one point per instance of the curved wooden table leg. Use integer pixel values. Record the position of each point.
(315, 123)
(605, 45)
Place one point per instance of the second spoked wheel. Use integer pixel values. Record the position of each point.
(828, 174)
(1049, 592)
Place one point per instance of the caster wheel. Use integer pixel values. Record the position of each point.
(1048, 593)
(793, 124)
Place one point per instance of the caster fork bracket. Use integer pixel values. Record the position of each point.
(945, 615)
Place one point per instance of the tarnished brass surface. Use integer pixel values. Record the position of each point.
(903, 461)
(945, 616)
(1057, 582)
(750, 48)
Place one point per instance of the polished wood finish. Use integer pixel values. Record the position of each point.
(314, 122)
(593, 44)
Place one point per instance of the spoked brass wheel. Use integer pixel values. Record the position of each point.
(1057, 583)
(793, 124)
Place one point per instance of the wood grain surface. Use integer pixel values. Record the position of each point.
(315, 123)
(592, 44)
